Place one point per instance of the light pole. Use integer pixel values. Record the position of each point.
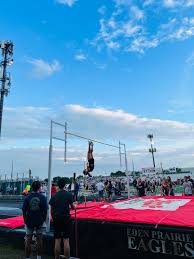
(152, 149)
(5, 80)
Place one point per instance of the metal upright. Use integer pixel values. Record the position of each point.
(152, 150)
(126, 165)
(49, 175)
(66, 133)
(50, 167)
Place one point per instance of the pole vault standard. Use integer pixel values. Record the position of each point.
(66, 133)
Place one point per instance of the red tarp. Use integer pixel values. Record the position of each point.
(12, 222)
(17, 222)
(172, 211)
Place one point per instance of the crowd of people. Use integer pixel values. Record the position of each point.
(166, 186)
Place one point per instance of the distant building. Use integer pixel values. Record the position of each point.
(150, 171)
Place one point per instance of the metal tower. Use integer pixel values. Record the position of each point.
(5, 79)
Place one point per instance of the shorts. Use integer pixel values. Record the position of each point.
(37, 230)
(91, 164)
(62, 228)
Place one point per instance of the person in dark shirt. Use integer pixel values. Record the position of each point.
(74, 189)
(164, 189)
(140, 188)
(34, 213)
(60, 210)
(110, 190)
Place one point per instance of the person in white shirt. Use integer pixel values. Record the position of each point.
(100, 189)
(188, 187)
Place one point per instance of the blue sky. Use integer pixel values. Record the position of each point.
(114, 69)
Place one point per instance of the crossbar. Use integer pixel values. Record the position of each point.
(58, 139)
(93, 140)
(59, 124)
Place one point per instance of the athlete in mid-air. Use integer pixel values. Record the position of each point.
(90, 164)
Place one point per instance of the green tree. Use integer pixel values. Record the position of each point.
(57, 178)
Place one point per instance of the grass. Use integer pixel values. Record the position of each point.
(8, 252)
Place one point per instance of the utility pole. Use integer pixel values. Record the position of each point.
(152, 149)
(5, 79)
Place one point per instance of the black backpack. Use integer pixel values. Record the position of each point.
(34, 214)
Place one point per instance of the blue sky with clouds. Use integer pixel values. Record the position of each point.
(114, 69)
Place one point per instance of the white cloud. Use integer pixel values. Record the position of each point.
(69, 3)
(141, 44)
(177, 3)
(102, 10)
(122, 2)
(121, 118)
(138, 14)
(127, 27)
(26, 138)
(190, 3)
(80, 57)
(33, 122)
(42, 69)
(148, 2)
(171, 3)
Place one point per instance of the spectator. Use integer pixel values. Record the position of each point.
(100, 189)
(74, 189)
(188, 187)
(34, 213)
(164, 188)
(140, 188)
(110, 190)
(53, 189)
(106, 188)
(25, 192)
(191, 180)
(171, 186)
(153, 188)
(60, 211)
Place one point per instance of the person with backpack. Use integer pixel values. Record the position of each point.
(60, 204)
(34, 213)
